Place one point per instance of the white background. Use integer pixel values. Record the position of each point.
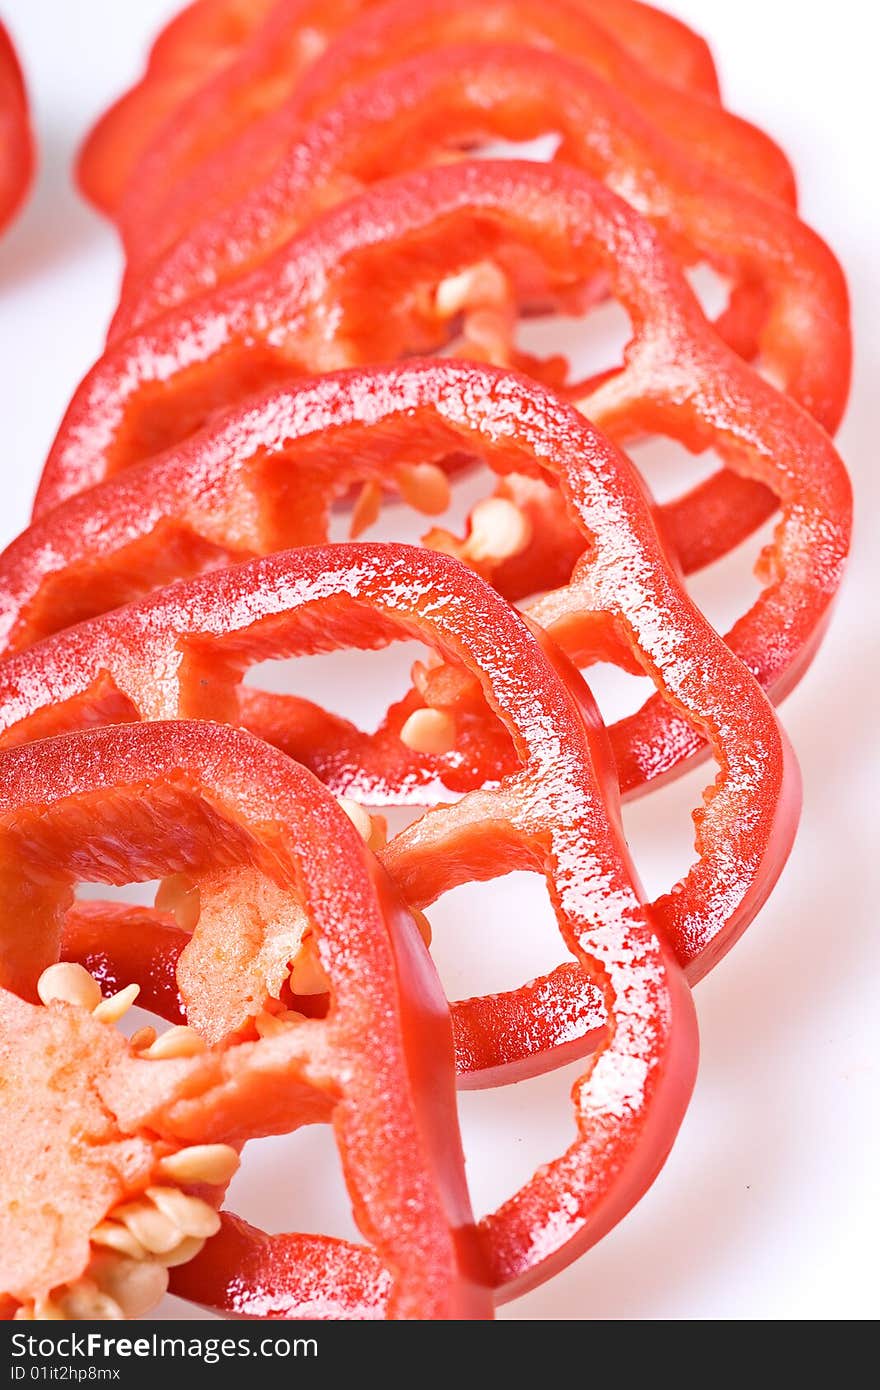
(768, 1207)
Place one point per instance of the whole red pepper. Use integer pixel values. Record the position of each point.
(179, 181)
(16, 138)
(260, 835)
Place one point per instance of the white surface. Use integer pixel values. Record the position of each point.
(768, 1207)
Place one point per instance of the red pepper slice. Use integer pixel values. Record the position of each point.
(205, 37)
(178, 182)
(16, 138)
(198, 49)
(259, 834)
(500, 1038)
(250, 1274)
(461, 96)
(320, 303)
(629, 1103)
(365, 596)
(241, 802)
(678, 379)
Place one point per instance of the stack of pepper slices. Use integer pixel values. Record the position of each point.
(326, 274)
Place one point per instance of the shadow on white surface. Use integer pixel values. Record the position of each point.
(54, 227)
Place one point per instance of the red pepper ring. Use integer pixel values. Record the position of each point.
(209, 35)
(364, 596)
(172, 192)
(460, 97)
(16, 138)
(265, 475)
(258, 832)
(199, 41)
(629, 1103)
(499, 1037)
(139, 783)
(305, 308)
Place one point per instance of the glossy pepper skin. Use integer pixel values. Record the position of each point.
(678, 379)
(363, 596)
(242, 1270)
(319, 303)
(629, 1102)
(245, 1272)
(499, 1037)
(172, 191)
(464, 96)
(16, 139)
(259, 833)
(192, 73)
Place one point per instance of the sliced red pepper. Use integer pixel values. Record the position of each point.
(205, 37)
(250, 1274)
(321, 302)
(173, 189)
(462, 96)
(500, 1038)
(364, 596)
(198, 49)
(142, 787)
(678, 379)
(16, 138)
(259, 834)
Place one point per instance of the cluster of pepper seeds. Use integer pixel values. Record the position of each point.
(140, 1239)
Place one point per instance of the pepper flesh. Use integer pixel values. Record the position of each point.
(135, 801)
(360, 595)
(308, 308)
(462, 96)
(140, 786)
(173, 190)
(250, 1274)
(231, 493)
